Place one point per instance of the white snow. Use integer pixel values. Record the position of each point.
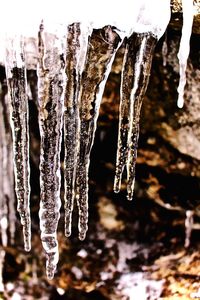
(141, 16)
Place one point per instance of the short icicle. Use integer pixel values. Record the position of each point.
(102, 47)
(184, 49)
(77, 38)
(51, 88)
(135, 76)
(17, 87)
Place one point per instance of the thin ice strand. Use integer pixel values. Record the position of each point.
(144, 45)
(184, 49)
(164, 50)
(3, 198)
(124, 116)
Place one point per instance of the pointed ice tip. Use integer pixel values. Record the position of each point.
(50, 273)
(116, 189)
(82, 236)
(27, 248)
(129, 196)
(68, 233)
(50, 276)
(27, 245)
(180, 102)
(117, 185)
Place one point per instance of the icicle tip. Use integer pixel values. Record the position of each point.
(117, 186)
(180, 102)
(68, 232)
(82, 236)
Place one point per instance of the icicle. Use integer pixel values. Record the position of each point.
(102, 47)
(135, 77)
(164, 50)
(8, 172)
(3, 198)
(149, 27)
(16, 77)
(51, 88)
(184, 49)
(77, 40)
(188, 227)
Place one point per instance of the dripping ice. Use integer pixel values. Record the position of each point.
(51, 88)
(17, 88)
(67, 57)
(7, 198)
(135, 76)
(103, 44)
(184, 49)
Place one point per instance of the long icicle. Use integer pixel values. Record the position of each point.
(17, 87)
(102, 47)
(3, 204)
(184, 49)
(135, 77)
(124, 118)
(76, 48)
(51, 88)
(8, 175)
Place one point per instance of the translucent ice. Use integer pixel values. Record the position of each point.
(7, 177)
(102, 47)
(73, 62)
(51, 89)
(184, 49)
(16, 78)
(189, 220)
(77, 43)
(149, 27)
(135, 76)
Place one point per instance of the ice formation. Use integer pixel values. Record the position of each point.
(135, 76)
(76, 49)
(164, 50)
(17, 86)
(7, 198)
(103, 44)
(184, 49)
(73, 54)
(51, 88)
(189, 220)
